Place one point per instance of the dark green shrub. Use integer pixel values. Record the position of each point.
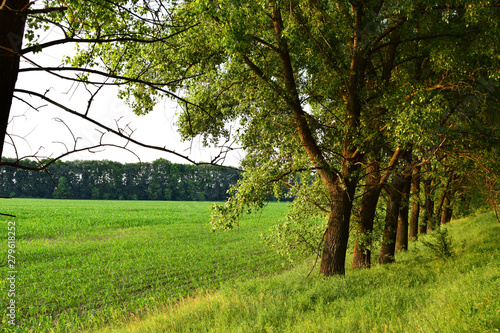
(440, 244)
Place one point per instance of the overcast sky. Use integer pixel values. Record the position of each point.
(40, 131)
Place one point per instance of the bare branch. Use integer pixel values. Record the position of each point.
(101, 40)
(118, 132)
(44, 10)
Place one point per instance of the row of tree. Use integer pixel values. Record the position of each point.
(159, 180)
(348, 104)
(351, 108)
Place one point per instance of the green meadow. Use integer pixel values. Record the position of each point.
(128, 266)
(83, 264)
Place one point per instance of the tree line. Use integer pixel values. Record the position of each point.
(108, 180)
(365, 113)
(348, 104)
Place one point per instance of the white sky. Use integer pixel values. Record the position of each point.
(39, 131)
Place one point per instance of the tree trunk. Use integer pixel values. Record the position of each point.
(439, 210)
(450, 215)
(402, 231)
(11, 35)
(427, 209)
(371, 194)
(438, 218)
(337, 233)
(388, 248)
(415, 206)
(446, 217)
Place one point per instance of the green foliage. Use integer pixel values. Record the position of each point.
(302, 229)
(159, 180)
(63, 189)
(440, 244)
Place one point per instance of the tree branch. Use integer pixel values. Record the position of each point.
(118, 133)
(101, 40)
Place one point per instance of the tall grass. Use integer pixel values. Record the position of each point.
(419, 293)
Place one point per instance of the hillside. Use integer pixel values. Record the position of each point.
(422, 292)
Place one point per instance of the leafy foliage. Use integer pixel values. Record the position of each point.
(440, 244)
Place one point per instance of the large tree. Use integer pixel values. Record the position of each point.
(30, 27)
(319, 89)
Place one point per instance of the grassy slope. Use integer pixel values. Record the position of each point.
(83, 264)
(417, 294)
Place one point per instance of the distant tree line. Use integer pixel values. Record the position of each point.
(108, 180)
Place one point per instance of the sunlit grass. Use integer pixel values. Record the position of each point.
(104, 266)
(83, 264)
(417, 294)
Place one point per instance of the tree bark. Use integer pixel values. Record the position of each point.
(402, 231)
(446, 217)
(428, 209)
(373, 186)
(388, 247)
(337, 233)
(12, 24)
(371, 194)
(415, 206)
(439, 210)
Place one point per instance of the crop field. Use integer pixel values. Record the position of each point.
(82, 264)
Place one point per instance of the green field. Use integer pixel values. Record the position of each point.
(422, 292)
(82, 264)
(108, 266)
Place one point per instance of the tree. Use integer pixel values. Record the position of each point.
(312, 85)
(92, 26)
(63, 190)
(113, 180)
(319, 90)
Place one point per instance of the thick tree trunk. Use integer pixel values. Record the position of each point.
(388, 248)
(427, 209)
(371, 194)
(337, 233)
(446, 217)
(11, 36)
(415, 206)
(402, 231)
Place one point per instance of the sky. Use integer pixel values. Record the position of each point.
(41, 132)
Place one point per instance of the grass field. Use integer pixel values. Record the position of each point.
(420, 293)
(104, 266)
(82, 264)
